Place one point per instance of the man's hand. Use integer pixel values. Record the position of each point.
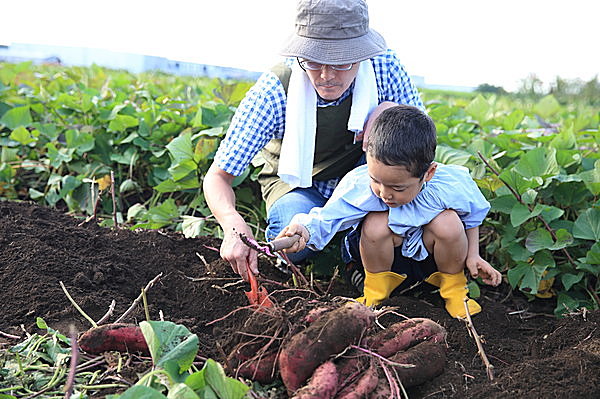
(478, 267)
(241, 257)
(295, 229)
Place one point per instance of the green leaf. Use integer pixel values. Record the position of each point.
(569, 280)
(517, 181)
(82, 142)
(591, 178)
(22, 136)
(58, 156)
(451, 156)
(515, 274)
(226, 388)
(587, 225)
(15, 117)
(135, 211)
(547, 106)
(192, 226)
(183, 169)
(593, 255)
(141, 392)
(197, 119)
(512, 120)
(479, 109)
(474, 291)
(519, 214)
(550, 213)
(539, 162)
(182, 391)
(538, 239)
(563, 239)
(531, 279)
(518, 252)
(173, 347)
(181, 147)
(169, 186)
(565, 304)
(121, 123)
(504, 203)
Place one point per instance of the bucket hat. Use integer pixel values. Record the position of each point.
(333, 32)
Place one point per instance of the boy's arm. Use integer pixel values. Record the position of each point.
(478, 267)
(352, 199)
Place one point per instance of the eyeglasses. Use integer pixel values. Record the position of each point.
(315, 66)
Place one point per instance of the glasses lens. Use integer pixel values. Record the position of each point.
(315, 66)
(344, 67)
(310, 65)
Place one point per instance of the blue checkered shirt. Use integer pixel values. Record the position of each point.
(260, 116)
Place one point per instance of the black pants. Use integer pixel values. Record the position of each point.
(416, 271)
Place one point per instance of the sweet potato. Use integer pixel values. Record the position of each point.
(382, 390)
(119, 337)
(260, 368)
(405, 334)
(329, 334)
(363, 386)
(322, 385)
(429, 359)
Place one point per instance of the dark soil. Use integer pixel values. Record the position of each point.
(534, 355)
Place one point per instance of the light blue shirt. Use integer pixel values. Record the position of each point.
(450, 188)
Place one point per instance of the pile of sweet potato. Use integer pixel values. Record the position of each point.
(341, 354)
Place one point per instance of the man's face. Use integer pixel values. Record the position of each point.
(331, 84)
(395, 185)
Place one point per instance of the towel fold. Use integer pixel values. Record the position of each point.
(298, 144)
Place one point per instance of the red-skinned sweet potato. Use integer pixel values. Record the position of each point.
(329, 334)
(119, 337)
(322, 385)
(405, 334)
(260, 368)
(363, 386)
(429, 359)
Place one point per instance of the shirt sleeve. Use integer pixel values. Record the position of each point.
(393, 82)
(258, 119)
(451, 188)
(352, 199)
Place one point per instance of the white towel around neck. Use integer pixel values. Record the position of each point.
(298, 145)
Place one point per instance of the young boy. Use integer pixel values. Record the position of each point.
(412, 219)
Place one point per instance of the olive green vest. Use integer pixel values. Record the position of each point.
(335, 154)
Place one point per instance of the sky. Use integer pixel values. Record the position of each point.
(460, 42)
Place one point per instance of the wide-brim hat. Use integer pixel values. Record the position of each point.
(333, 32)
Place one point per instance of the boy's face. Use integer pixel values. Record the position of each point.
(395, 185)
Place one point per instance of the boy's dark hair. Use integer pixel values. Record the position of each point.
(403, 136)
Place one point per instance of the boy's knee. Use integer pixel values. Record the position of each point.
(446, 226)
(375, 227)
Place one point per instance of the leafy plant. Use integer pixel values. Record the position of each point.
(173, 349)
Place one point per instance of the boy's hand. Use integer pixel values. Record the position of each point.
(295, 229)
(478, 267)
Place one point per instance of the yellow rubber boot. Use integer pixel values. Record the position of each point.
(453, 288)
(379, 286)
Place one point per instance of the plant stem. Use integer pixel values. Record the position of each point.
(88, 318)
(112, 193)
(73, 364)
(137, 300)
(488, 366)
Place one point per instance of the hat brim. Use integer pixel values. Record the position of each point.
(335, 52)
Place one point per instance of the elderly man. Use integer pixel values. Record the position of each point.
(303, 121)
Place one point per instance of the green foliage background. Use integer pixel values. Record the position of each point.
(64, 130)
